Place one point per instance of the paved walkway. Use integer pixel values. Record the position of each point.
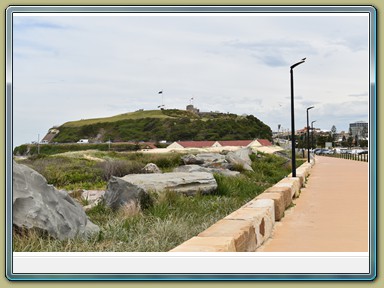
(331, 214)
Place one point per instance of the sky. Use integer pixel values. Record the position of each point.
(68, 67)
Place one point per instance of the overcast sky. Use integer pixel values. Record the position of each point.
(68, 68)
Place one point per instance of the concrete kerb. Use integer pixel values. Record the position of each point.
(207, 244)
(247, 228)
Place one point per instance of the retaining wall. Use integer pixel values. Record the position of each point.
(251, 225)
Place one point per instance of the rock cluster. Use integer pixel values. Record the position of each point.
(133, 190)
(195, 176)
(218, 163)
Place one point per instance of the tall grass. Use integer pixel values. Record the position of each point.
(171, 219)
(71, 171)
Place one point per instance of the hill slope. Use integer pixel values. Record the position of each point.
(126, 116)
(170, 125)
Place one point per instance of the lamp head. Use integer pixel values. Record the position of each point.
(310, 107)
(298, 63)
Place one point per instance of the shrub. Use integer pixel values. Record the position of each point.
(119, 168)
(165, 161)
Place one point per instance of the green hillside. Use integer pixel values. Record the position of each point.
(128, 116)
(170, 125)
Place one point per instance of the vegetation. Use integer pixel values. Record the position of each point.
(92, 169)
(170, 125)
(52, 149)
(169, 221)
(121, 117)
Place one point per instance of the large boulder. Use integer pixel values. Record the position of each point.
(133, 190)
(40, 206)
(211, 159)
(197, 168)
(205, 159)
(191, 159)
(240, 158)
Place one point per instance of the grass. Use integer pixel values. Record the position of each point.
(170, 220)
(92, 169)
(125, 116)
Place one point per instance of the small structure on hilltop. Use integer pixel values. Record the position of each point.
(192, 109)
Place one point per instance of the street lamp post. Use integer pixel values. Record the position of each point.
(293, 120)
(308, 131)
(313, 146)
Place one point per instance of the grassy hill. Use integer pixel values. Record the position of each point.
(157, 114)
(170, 125)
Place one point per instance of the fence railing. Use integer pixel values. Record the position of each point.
(356, 157)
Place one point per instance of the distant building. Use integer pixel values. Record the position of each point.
(359, 129)
(230, 143)
(192, 109)
(191, 144)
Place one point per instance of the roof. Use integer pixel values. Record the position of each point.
(195, 144)
(264, 142)
(148, 145)
(235, 142)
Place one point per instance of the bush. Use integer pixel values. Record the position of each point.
(65, 172)
(119, 168)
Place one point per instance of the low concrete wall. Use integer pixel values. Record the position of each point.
(247, 228)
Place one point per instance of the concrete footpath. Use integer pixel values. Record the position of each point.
(331, 213)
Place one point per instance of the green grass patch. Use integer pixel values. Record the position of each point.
(126, 116)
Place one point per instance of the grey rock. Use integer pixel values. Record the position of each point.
(133, 189)
(122, 192)
(191, 159)
(211, 158)
(240, 158)
(205, 159)
(92, 196)
(40, 206)
(197, 168)
(243, 154)
(151, 168)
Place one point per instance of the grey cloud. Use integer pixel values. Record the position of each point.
(30, 23)
(354, 43)
(364, 94)
(273, 52)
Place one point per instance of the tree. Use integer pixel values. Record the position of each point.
(344, 141)
(364, 131)
(333, 132)
(350, 141)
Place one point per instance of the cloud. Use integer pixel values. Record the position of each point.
(273, 52)
(363, 94)
(29, 23)
(100, 66)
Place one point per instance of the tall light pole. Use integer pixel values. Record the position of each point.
(293, 120)
(308, 131)
(313, 146)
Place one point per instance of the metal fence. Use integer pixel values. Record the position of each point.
(356, 157)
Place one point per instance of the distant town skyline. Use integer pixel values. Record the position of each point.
(68, 67)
